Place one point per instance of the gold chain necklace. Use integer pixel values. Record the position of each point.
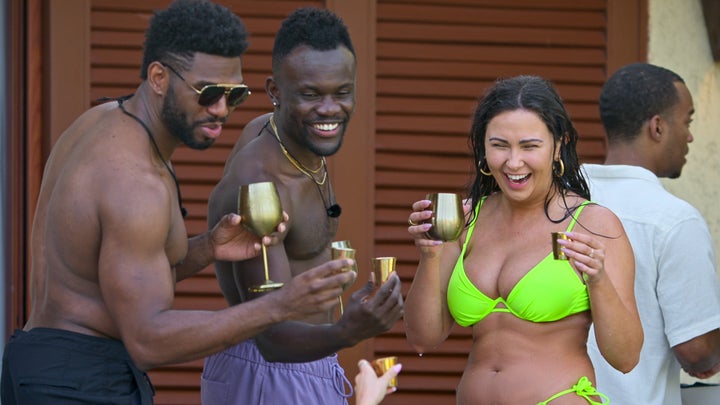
(304, 170)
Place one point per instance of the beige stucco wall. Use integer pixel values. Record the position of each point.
(678, 40)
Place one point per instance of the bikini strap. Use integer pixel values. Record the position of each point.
(583, 389)
(576, 215)
(471, 227)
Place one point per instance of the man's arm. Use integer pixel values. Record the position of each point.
(689, 295)
(700, 357)
(138, 287)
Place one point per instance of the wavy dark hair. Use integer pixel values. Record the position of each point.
(317, 28)
(538, 95)
(186, 27)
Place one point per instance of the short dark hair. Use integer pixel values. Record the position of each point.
(176, 33)
(633, 95)
(317, 28)
(531, 93)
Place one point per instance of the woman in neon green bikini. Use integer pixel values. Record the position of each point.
(530, 314)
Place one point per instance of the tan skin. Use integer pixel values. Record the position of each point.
(514, 361)
(313, 90)
(109, 241)
(661, 147)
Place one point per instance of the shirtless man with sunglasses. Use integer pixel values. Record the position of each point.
(109, 242)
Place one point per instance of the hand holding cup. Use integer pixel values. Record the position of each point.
(382, 268)
(447, 217)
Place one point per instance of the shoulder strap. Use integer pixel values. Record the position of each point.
(576, 215)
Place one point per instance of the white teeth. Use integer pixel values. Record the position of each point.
(326, 127)
(516, 177)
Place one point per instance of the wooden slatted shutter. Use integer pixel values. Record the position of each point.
(434, 58)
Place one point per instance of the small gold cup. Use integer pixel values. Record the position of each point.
(343, 244)
(344, 253)
(558, 254)
(382, 365)
(383, 267)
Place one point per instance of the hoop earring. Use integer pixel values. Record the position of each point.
(480, 167)
(559, 173)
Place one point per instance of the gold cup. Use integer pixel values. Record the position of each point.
(447, 217)
(343, 244)
(382, 365)
(261, 209)
(344, 253)
(383, 267)
(558, 254)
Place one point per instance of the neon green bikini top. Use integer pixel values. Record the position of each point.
(550, 291)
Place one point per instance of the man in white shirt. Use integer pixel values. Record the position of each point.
(646, 111)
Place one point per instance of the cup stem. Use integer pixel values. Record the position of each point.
(267, 273)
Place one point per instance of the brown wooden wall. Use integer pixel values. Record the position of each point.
(422, 64)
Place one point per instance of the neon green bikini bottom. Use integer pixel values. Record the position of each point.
(583, 388)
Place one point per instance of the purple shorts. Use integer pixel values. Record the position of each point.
(240, 375)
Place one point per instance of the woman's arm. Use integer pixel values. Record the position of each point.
(608, 265)
(427, 318)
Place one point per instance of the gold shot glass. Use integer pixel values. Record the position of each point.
(383, 267)
(343, 244)
(382, 365)
(344, 253)
(558, 254)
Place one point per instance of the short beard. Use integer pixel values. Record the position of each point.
(176, 123)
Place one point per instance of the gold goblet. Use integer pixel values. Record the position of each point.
(447, 217)
(344, 253)
(261, 211)
(382, 365)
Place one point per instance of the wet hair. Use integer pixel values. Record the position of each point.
(633, 95)
(186, 27)
(530, 93)
(316, 28)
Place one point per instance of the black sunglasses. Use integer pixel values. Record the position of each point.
(212, 93)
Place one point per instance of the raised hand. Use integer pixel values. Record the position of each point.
(372, 311)
(231, 241)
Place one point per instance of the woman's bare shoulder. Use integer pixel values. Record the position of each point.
(601, 218)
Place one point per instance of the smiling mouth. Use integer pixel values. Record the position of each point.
(517, 178)
(326, 127)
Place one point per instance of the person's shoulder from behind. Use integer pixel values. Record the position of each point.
(635, 193)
